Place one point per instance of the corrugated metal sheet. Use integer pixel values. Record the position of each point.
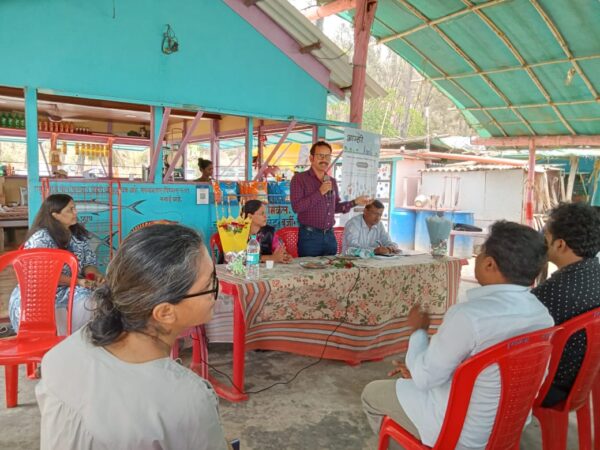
(453, 168)
(305, 33)
(469, 168)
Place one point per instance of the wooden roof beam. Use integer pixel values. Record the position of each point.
(534, 105)
(469, 61)
(540, 141)
(329, 9)
(565, 48)
(500, 34)
(511, 69)
(457, 86)
(428, 23)
(475, 158)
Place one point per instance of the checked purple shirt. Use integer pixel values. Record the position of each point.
(313, 209)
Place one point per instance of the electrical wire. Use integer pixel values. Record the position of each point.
(334, 57)
(314, 363)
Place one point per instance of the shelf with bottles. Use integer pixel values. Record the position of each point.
(11, 119)
(78, 137)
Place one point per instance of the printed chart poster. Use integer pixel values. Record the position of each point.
(360, 165)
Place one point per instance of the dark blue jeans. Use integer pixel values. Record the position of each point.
(314, 242)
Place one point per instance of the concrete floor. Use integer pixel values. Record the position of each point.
(320, 409)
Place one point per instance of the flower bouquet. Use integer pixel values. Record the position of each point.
(233, 232)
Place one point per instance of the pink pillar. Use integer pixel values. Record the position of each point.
(214, 147)
(363, 19)
(529, 204)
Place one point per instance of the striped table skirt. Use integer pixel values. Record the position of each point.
(359, 312)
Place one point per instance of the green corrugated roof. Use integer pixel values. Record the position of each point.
(513, 67)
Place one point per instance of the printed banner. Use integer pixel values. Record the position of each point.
(360, 165)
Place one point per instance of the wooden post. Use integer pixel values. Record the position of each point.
(572, 175)
(363, 19)
(249, 146)
(529, 203)
(33, 158)
(214, 148)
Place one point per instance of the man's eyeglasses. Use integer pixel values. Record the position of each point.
(214, 290)
(323, 155)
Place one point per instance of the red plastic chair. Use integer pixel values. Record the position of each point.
(38, 271)
(554, 421)
(339, 237)
(216, 249)
(289, 236)
(596, 410)
(522, 362)
(199, 362)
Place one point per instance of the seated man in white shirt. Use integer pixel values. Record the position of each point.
(503, 307)
(367, 231)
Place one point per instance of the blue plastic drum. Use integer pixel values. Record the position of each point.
(402, 228)
(463, 245)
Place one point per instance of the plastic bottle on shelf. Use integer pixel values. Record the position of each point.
(3, 120)
(253, 259)
(11, 121)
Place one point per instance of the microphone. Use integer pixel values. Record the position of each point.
(327, 178)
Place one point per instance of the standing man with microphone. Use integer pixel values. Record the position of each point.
(316, 200)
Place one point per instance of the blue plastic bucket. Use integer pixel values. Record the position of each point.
(422, 242)
(402, 228)
(463, 245)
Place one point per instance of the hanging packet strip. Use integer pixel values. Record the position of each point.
(230, 191)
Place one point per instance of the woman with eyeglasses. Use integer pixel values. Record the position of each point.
(112, 384)
(56, 226)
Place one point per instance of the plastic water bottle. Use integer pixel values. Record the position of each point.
(252, 259)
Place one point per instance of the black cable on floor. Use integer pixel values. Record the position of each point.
(342, 321)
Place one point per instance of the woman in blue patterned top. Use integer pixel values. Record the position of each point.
(55, 226)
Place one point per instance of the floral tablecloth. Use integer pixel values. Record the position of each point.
(360, 312)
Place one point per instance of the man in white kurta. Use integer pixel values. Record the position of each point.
(367, 232)
(502, 308)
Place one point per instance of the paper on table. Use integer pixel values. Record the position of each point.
(398, 255)
(413, 253)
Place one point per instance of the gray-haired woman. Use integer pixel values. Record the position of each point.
(112, 384)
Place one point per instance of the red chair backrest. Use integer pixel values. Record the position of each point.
(590, 367)
(38, 271)
(339, 237)
(216, 249)
(522, 363)
(289, 236)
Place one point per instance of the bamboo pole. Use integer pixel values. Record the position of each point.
(572, 175)
(529, 203)
(429, 23)
(563, 45)
(513, 68)
(470, 62)
(502, 36)
(457, 86)
(533, 105)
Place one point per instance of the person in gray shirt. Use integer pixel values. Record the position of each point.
(112, 384)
